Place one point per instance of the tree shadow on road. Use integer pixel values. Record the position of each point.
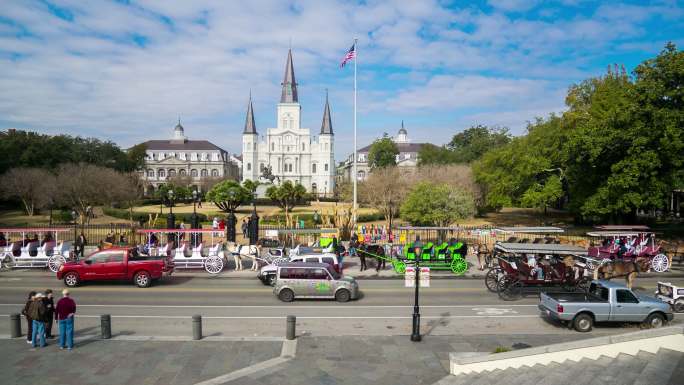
(443, 320)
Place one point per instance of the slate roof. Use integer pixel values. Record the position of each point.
(289, 92)
(326, 126)
(188, 145)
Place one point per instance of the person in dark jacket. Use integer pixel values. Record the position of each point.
(50, 313)
(29, 321)
(80, 245)
(37, 312)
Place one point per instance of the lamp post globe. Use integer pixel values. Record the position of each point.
(417, 251)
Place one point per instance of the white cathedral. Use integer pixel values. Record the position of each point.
(289, 150)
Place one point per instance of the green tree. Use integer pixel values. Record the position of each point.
(286, 196)
(475, 141)
(251, 185)
(437, 205)
(544, 194)
(228, 195)
(383, 153)
(438, 155)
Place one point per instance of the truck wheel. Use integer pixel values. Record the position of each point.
(286, 295)
(71, 279)
(142, 279)
(654, 321)
(583, 323)
(679, 306)
(342, 295)
(271, 280)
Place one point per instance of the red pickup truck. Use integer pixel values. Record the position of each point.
(117, 263)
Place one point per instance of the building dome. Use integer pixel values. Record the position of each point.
(402, 135)
(178, 132)
(402, 131)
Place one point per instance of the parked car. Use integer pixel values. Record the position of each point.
(313, 280)
(267, 274)
(605, 301)
(672, 295)
(116, 264)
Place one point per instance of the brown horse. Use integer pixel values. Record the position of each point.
(620, 268)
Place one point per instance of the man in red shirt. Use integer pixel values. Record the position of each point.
(64, 313)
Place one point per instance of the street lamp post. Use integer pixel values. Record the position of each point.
(253, 224)
(230, 226)
(417, 251)
(194, 222)
(170, 218)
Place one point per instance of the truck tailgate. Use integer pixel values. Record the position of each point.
(547, 302)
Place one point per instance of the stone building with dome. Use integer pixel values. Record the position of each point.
(288, 150)
(200, 160)
(407, 157)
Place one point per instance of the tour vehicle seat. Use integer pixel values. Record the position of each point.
(197, 251)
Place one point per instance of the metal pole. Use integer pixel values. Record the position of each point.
(106, 326)
(196, 327)
(415, 335)
(356, 54)
(15, 325)
(290, 325)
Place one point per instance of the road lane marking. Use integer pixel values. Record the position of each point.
(289, 307)
(493, 310)
(189, 317)
(165, 289)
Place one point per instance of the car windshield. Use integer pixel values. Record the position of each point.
(334, 274)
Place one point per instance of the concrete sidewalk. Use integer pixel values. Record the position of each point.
(318, 360)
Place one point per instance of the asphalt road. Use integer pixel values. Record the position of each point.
(244, 307)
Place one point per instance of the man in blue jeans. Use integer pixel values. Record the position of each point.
(37, 311)
(64, 312)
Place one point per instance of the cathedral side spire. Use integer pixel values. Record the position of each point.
(326, 126)
(289, 93)
(250, 126)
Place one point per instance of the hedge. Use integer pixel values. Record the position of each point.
(137, 216)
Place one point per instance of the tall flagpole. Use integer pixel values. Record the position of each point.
(356, 54)
(356, 57)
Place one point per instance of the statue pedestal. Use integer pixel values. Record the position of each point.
(261, 189)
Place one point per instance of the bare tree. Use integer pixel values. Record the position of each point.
(33, 186)
(82, 185)
(385, 190)
(455, 175)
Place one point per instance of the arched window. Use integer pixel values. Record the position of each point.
(193, 173)
(182, 172)
(261, 167)
(249, 168)
(161, 173)
(150, 173)
(172, 173)
(205, 173)
(214, 173)
(326, 167)
(314, 189)
(313, 168)
(361, 175)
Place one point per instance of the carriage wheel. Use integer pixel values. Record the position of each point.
(459, 266)
(492, 278)
(213, 265)
(55, 262)
(399, 266)
(660, 263)
(510, 289)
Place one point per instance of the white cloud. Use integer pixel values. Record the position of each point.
(513, 5)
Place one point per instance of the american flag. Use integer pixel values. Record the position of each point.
(349, 55)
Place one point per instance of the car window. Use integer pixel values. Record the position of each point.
(626, 296)
(329, 260)
(99, 258)
(599, 291)
(116, 256)
(311, 259)
(318, 273)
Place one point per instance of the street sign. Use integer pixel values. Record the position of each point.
(410, 277)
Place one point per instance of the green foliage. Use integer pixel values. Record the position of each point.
(228, 195)
(181, 193)
(616, 150)
(466, 146)
(501, 349)
(383, 153)
(370, 217)
(137, 216)
(287, 195)
(251, 185)
(430, 204)
(30, 149)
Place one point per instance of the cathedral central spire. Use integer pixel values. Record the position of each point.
(250, 127)
(289, 94)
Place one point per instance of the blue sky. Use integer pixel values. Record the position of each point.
(125, 70)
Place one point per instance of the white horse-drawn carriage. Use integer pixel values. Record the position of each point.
(35, 247)
(193, 250)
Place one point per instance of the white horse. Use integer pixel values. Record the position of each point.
(240, 251)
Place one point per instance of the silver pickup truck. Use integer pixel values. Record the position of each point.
(605, 301)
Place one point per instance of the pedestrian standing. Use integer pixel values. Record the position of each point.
(29, 321)
(244, 228)
(50, 313)
(37, 312)
(81, 242)
(64, 313)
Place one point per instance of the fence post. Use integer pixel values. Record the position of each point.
(15, 325)
(106, 326)
(196, 327)
(290, 327)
